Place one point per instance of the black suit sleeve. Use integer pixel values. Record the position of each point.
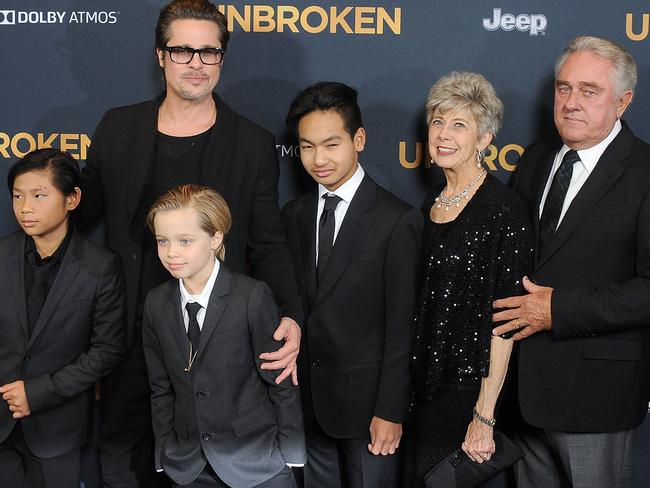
(107, 346)
(612, 306)
(402, 273)
(262, 320)
(162, 390)
(267, 240)
(91, 206)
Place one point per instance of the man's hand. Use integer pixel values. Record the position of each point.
(531, 313)
(286, 356)
(479, 441)
(14, 395)
(384, 436)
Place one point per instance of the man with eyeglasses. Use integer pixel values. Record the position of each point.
(186, 135)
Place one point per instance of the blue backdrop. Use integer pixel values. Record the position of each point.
(64, 62)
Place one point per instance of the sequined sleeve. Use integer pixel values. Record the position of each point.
(470, 262)
(515, 255)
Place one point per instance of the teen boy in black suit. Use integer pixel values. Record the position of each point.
(356, 252)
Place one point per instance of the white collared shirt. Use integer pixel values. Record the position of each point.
(202, 298)
(346, 192)
(581, 169)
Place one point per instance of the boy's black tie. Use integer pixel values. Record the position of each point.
(193, 330)
(326, 232)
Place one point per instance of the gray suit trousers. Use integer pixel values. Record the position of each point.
(574, 460)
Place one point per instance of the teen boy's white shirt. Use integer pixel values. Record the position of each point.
(346, 192)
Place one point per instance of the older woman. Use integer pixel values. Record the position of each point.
(478, 246)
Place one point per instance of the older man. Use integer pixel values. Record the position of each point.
(188, 134)
(584, 324)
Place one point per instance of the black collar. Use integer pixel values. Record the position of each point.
(33, 258)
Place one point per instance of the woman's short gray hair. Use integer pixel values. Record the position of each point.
(470, 91)
(625, 74)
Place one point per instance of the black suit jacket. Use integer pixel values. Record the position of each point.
(78, 338)
(590, 373)
(354, 360)
(246, 425)
(240, 161)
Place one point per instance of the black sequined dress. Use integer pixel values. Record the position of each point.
(469, 262)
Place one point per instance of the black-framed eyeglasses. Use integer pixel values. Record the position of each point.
(185, 55)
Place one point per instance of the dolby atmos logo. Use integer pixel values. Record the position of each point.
(7, 17)
(22, 17)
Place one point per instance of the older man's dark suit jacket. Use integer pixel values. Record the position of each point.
(590, 373)
(240, 161)
(354, 360)
(78, 338)
(245, 424)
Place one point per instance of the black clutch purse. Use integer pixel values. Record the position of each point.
(459, 471)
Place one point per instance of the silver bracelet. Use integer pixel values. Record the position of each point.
(483, 420)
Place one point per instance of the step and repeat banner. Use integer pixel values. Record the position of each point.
(65, 62)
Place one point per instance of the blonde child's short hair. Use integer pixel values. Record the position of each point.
(210, 206)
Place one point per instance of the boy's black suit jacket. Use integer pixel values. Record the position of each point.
(247, 426)
(354, 360)
(590, 373)
(78, 338)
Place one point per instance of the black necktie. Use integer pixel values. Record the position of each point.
(326, 232)
(555, 199)
(193, 330)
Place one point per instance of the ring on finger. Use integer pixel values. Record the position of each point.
(517, 324)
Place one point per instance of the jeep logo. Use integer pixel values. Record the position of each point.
(534, 23)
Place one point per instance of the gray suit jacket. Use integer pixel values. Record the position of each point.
(79, 337)
(247, 426)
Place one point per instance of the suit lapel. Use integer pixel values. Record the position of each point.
(542, 172)
(216, 307)
(604, 175)
(171, 311)
(306, 221)
(356, 224)
(68, 271)
(212, 172)
(16, 272)
(141, 159)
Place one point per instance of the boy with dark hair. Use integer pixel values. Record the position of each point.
(61, 325)
(356, 252)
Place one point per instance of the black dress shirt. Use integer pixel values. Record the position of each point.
(40, 274)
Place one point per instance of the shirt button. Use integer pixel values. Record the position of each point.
(134, 256)
(205, 437)
(315, 363)
(200, 395)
